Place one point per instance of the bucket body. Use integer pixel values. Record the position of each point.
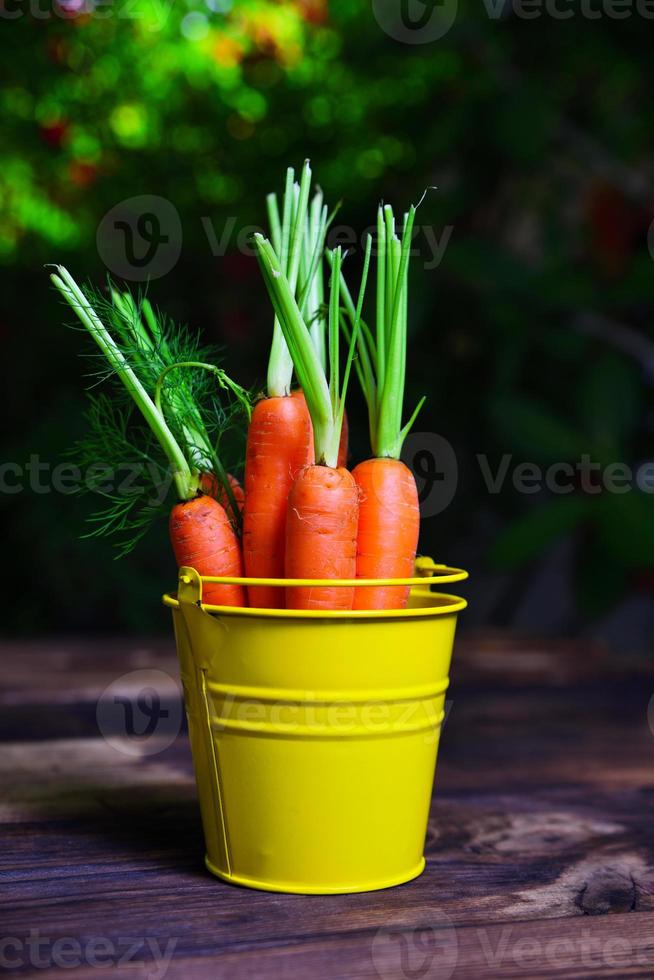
(314, 737)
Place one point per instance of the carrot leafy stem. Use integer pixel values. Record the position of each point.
(381, 365)
(185, 420)
(325, 395)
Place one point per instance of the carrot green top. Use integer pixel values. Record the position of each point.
(381, 365)
(142, 350)
(324, 395)
(298, 238)
(72, 293)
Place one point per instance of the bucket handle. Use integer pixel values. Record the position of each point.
(428, 572)
(189, 595)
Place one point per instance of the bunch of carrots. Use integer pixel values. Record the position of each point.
(301, 513)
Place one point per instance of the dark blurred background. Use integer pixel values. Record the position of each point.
(532, 294)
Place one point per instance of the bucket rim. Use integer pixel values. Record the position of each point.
(444, 605)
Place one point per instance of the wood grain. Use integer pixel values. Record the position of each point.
(540, 851)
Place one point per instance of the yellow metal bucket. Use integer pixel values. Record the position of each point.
(314, 734)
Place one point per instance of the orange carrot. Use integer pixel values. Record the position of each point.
(279, 439)
(210, 485)
(299, 394)
(202, 537)
(321, 535)
(343, 446)
(277, 448)
(389, 524)
(323, 504)
(389, 519)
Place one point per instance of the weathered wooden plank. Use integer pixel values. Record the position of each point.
(70, 671)
(541, 824)
(406, 946)
(131, 824)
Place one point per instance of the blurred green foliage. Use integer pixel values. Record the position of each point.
(537, 134)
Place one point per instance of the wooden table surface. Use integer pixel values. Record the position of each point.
(540, 852)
